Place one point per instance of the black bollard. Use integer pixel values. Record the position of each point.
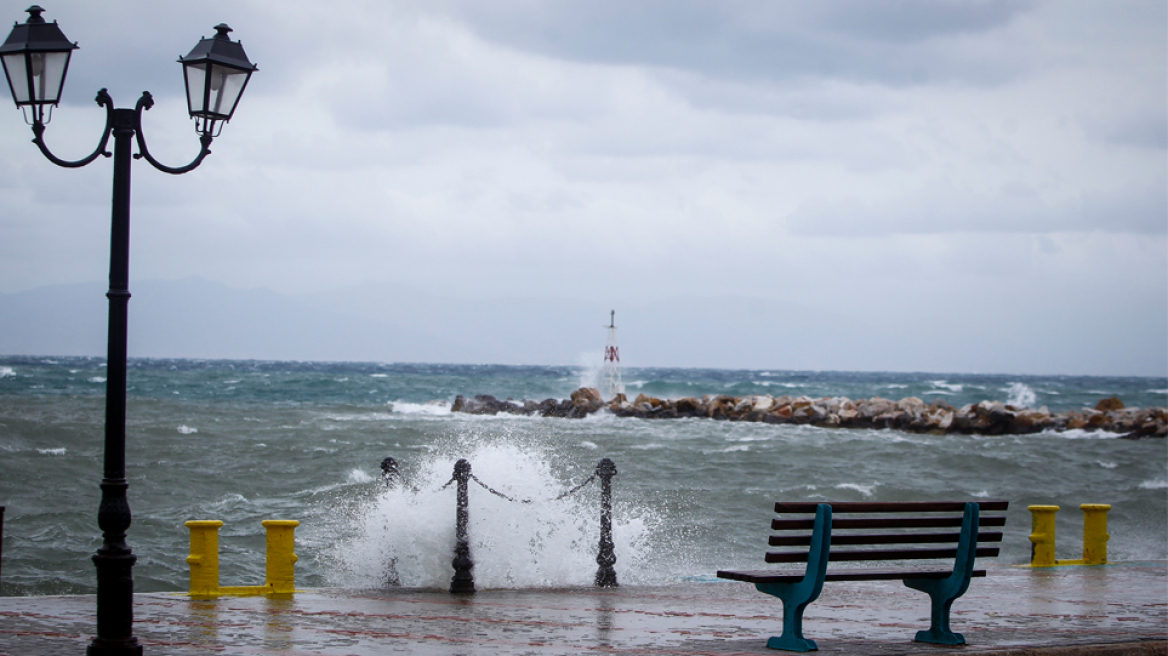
(606, 575)
(389, 472)
(463, 580)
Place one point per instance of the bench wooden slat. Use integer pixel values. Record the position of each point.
(883, 538)
(877, 554)
(888, 506)
(881, 522)
(792, 576)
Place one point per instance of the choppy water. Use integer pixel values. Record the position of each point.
(247, 441)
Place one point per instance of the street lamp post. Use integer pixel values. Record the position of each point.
(35, 59)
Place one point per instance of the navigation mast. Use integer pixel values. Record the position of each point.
(610, 379)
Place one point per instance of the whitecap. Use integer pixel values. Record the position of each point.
(1106, 465)
(1158, 484)
(647, 447)
(97, 379)
(187, 430)
(1020, 395)
(358, 476)
(984, 494)
(379, 375)
(433, 408)
(944, 384)
(1080, 434)
(5, 372)
(865, 490)
(589, 445)
(52, 452)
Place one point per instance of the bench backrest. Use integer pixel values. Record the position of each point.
(885, 530)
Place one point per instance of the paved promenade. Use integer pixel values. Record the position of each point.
(1116, 610)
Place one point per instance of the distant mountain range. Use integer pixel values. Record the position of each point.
(198, 318)
(378, 322)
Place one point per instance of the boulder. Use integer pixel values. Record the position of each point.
(586, 395)
(1109, 404)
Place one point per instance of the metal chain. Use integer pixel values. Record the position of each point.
(577, 488)
(497, 493)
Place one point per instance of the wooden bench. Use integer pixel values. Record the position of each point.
(888, 532)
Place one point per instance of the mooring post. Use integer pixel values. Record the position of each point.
(1042, 535)
(463, 580)
(389, 472)
(606, 558)
(204, 558)
(280, 561)
(1095, 534)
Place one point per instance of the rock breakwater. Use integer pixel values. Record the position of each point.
(909, 414)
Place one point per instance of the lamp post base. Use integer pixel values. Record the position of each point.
(102, 647)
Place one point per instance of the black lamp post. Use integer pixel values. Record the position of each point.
(35, 59)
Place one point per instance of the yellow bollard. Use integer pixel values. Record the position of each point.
(280, 566)
(281, 557)
(1042, 535)
(204, 558)
(1095, 534)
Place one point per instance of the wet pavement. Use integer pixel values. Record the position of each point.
(1114, 610)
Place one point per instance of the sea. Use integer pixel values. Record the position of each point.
(246, 441)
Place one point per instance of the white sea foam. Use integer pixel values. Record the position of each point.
(865, 490)
(1158, 391)
(589, 445)
(52, 452)
(433, 408)
(946, 385)
(984, 494)
(358, 476)
(736, 447)
(1020, 395)
(1157, 484)
(379, 375)
(5, 372)
(97, 379)
(187, 430)
(1106, 465)
(394, 536)
(1080, 434)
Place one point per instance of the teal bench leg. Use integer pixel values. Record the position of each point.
(794, 602)
(797, 596)
(942, 592)
(942, 599)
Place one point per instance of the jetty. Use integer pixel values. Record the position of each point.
(909, 414)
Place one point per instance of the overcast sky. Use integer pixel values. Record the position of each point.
(946, 165)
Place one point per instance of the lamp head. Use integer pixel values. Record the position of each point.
(35, 58)
(216, 72)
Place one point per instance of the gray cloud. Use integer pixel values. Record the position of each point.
(887, 43)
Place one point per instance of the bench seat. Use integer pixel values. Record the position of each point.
(890, 535)
(874, 574)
